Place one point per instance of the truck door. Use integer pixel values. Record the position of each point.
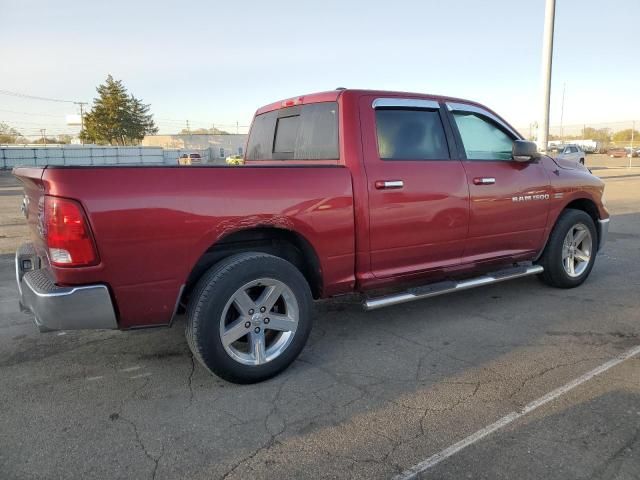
(509, 200)
(418, 193)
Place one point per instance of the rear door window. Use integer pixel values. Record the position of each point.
(307, 132)
(410, 134)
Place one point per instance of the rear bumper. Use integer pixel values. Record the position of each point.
(60, 308)
(603, 232)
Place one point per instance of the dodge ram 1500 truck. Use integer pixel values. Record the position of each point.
(396, 196)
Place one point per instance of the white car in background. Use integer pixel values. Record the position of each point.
(569, 151)
(190, 159)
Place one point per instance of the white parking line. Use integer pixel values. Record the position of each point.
(433, 460)
(131, 369)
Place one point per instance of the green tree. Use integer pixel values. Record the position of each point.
(49, 141)
(9, 134)
(598, 134)
(625, 135)
(116, 117)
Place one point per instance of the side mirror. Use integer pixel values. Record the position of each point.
(524, 151)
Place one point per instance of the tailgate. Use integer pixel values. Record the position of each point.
(32, 203)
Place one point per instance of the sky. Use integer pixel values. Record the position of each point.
(215, 63)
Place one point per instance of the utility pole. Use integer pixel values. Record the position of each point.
(81, 105)
(43, 131)
(564, 88)
(633, 128)
(547, 58)
(237, 128)
(188, 129)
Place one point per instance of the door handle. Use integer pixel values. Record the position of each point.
(389, 184)
(484, 181)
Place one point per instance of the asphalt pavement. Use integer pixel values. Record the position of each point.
(372, 394)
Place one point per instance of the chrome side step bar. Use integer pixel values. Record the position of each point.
(442, 288)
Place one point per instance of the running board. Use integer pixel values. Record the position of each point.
(442, 288)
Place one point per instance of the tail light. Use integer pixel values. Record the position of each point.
(67, 233)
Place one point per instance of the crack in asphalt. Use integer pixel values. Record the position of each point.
(118, 415)
(546, 370)
(155, 460)
(190, 379)
(273, 436)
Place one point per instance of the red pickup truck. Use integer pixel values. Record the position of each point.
(397, 196)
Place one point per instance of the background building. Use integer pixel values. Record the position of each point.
(220, 146)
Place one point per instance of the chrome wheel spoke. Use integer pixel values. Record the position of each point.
(579, 237)
(582, 256)
(243, 302)
(257, 347)
(571, 265)
(269, 297)
(281, 323)
(234, 332)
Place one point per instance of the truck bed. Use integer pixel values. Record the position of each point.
(152, 224)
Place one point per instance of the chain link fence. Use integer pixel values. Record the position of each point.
(41, 155)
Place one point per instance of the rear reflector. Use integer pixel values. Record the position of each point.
(67, 233)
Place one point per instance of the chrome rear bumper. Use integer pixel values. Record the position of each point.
(60, 308)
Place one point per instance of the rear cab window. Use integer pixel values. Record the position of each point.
(302, 132)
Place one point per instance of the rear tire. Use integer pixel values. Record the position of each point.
(249, 317)
(571, 250)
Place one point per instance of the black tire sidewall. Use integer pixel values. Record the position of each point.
(218, 286)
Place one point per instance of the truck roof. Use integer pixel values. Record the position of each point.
(333, 95)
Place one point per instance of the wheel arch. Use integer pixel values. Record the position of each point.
(280, 242)
(585, 204)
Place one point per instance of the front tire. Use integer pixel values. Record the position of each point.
(249, 317)
(571, 250)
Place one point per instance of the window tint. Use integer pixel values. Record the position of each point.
(410, 135)
(286, 133)
(307, 132)
(261, 136)
(482, 139)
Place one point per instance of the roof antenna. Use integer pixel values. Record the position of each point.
(340, 88)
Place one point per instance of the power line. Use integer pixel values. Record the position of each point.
(34, 97)
(32, 114)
